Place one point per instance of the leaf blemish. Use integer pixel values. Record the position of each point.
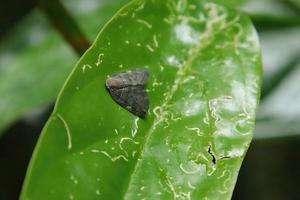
(126, 139)
(196, 129)
(145, 23)
(113, 159)
(155, 41)
(135, 127)
(85, 66)
(98, 192)
(67, 130)
(214, 160)
(150, 48)
(99, 59)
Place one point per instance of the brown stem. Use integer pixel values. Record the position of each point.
(65, 24)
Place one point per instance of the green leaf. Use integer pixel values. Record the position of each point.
(35, 61)
(204, 61)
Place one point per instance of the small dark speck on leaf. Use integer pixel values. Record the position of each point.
(214, 160)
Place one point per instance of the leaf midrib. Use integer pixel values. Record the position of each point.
(197, 49)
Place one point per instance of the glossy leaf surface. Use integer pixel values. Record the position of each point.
(205, 72)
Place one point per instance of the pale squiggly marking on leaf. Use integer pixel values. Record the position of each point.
(124, 140)
(192, 171)
(95, 151)
(155, 41)
(113, 159)
(116, 131)
(150, 48)
(67, 130)
(190, 185)
(86, 66)
(195, 129)
(144, 22)
(135, 127)
(99, 61)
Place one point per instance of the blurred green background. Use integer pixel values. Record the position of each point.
(35, 59)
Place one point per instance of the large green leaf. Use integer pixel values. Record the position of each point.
(203, 92)
(204, 61)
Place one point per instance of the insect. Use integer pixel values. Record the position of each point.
(128, 90)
